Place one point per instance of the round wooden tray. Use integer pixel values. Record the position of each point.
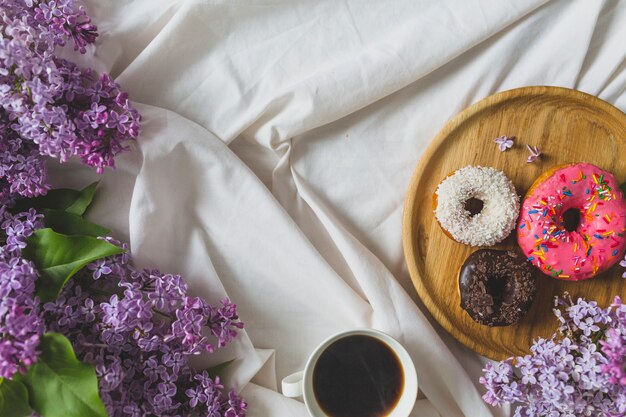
(567, 126)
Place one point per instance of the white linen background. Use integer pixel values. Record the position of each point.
(278, 141)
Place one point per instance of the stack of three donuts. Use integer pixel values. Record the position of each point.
(571, 226)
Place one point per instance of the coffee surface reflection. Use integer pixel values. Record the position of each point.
(358, 376)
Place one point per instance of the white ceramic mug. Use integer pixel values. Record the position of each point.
(301, 383)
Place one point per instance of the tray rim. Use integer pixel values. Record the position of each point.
(408, 228)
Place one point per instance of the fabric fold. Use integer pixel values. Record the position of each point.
(327, 59)
(278, 141)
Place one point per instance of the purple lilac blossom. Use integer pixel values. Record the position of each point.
(614, 346)
(504, 142)
(21, 322)
(139, 328)
(535, 154)
(48, 105)
(579, 371)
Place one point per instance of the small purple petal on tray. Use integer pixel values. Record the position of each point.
(535, 153)
(504, 142)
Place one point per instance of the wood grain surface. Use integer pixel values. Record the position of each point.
(568, 126)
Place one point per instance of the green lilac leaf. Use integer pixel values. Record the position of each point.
(72, 201)
(58, 257)
(217, 369)
(59, 385)
(72, 224)
(13, 399)
(85, 197)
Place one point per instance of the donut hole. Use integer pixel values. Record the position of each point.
(571, 219)
(500, 289)
(474, 206)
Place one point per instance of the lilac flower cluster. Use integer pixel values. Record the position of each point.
(580, 371)
(614, 346)
(57, 20)
(21, 322)
(139, 328)
(48, 105)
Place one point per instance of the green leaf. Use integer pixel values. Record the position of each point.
(13, 399)
(217, 369)
(58, 257)
(72, 224)
(79, 206)
(65, 199)
(61, 386)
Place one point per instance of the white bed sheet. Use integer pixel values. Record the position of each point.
(278, 141)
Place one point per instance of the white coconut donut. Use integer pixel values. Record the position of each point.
(500, 209)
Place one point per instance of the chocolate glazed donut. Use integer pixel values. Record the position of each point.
(497, 287)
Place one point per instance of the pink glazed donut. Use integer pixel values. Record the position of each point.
(572, 222)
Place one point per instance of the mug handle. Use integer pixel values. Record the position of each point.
(292, 385)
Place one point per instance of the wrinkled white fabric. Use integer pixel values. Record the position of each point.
(278, 142)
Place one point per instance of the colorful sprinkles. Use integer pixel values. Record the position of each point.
(597, 241)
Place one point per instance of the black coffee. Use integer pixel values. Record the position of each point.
(358, 376)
